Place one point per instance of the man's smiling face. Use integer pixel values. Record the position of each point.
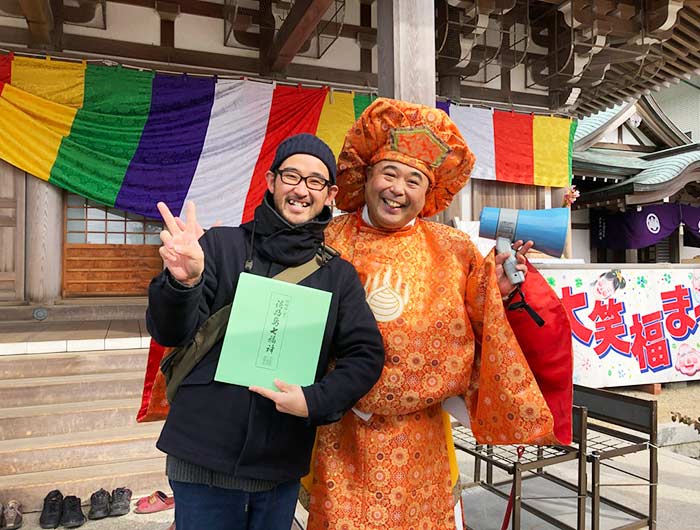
(297, 203)
(395, 194)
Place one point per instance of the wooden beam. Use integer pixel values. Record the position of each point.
(671, 70)
(180, 60)
(629, 76)
(476, 93)
(203, 8)
(684, 41)
(674, 47)
(10, 35)
(692, 63)
(587, 108)
(297, 28)
(689, 17)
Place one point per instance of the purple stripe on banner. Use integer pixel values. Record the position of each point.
(166, 158)
(443, 105)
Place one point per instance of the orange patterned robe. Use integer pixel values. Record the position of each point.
(445, 332)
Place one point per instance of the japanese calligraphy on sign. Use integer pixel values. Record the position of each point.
(631, 326)
(273, 332)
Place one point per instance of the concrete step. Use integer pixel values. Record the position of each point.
(70, 388)
(141, 476)
(62, 451)
(64, 418)
(72, 363)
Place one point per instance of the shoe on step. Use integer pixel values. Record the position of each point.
(121, 501)
(73, 515)
(13, 516)
(51, 512)
(99, 504)
(155, 502)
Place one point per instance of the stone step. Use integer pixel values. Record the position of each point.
(141, 476)
(62, 336)
(62, 451)
(72, 363)
(70, 388)
(77, 310)
(65, 418)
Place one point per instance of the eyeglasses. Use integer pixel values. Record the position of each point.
(312, 182)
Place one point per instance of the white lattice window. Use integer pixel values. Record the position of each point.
(90, 222)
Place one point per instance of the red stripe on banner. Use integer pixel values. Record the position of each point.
(5, 70)
(293, 110)
(512, 134)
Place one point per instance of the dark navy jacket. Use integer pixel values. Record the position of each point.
(225, 427)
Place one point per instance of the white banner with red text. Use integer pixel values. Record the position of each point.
(631, 325)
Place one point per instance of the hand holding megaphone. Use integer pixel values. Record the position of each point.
(510, 264)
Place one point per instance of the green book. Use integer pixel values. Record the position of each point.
(274, 332)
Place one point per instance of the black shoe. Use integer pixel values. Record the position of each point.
(121, 501)
(99, 504)
(73, 515)
(51, 512)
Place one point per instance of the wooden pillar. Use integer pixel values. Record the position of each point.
(44, 241)
(406, 39)
(451, 87)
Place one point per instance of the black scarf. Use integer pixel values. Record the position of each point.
(281, 242)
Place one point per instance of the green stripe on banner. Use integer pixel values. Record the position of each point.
(572, 134)
(117, 90)
(361, 102)
(93, 159)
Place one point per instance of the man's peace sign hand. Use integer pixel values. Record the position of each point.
(181, 251)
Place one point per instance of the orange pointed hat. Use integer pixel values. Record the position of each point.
(422, 137)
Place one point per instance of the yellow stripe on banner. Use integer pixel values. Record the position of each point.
(19, 129)
(58, 81)
(550, 145)
(336, 119)
(58, 118)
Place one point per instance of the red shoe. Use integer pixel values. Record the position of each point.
(155, 502)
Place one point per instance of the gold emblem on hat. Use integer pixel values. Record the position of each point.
(420, 143)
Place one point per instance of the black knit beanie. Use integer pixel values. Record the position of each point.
(307, 144)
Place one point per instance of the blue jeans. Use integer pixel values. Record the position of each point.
(201, 507)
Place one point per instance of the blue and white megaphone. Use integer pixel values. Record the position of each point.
(545, 228)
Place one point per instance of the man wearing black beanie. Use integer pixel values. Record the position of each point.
(236, 454)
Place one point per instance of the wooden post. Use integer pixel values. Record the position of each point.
(406, 39)
(44, 241)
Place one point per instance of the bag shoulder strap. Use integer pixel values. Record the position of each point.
(300, 272)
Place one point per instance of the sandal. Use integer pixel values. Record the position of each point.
(155, 502)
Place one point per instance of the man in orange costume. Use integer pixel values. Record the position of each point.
(440, 308)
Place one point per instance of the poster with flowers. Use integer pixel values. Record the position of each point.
(631, 326)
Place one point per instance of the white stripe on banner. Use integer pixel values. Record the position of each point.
(476, 125)
(236, 132)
